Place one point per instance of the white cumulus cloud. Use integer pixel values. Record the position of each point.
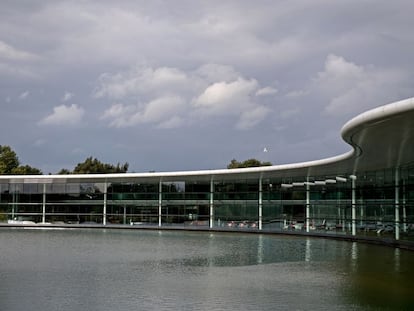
(348, 88)
(140, 80)
(64, 115)
(235, 98)
(226, 96)
(170, 97)
(163, 111)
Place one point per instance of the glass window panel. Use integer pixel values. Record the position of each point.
(16, 188)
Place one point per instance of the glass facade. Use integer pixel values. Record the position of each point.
(376, 203)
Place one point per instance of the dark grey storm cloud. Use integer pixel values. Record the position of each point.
(177, 85)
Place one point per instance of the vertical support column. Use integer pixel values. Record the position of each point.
(211, 224)
(159, 203)
(397, 203)
(44, 204)
(353, 202)
(404, 208)
(307, 205)
(105, 200)
(14, 203)
(260, 202)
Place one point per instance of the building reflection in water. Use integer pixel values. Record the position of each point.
(308, 250)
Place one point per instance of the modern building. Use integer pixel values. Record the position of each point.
(368, 191)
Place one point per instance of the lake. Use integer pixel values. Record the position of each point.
(107, 269)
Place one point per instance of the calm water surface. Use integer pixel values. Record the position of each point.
(163, 270)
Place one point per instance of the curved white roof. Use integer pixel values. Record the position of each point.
(380, 138)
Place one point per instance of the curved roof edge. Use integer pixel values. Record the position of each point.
(379, 114)
(215, 172)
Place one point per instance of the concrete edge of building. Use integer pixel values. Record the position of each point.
(389, 242)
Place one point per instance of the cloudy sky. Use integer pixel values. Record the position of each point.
(184, 84)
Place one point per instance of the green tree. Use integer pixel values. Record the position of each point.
(8, 160)
(247, 163)
(26, 170)
(64, 171)
(94, 166)
(10, 165)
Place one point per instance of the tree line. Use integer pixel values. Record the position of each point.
(94, 166)
(10, 165)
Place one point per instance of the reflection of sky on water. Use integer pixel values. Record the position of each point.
(154, 270)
